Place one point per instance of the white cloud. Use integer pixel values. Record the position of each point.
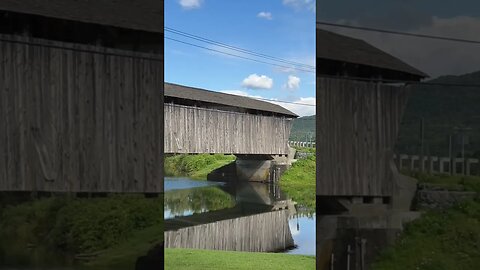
(190, 4)
(303, 106)
(300, 4)
(305, 60)
(253, 81)
(293, 82)
(240, 93)
(265, 15)
(435, 57)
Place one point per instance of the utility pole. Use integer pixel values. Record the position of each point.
(450, 165)
(463, 153)
(462, 131)
(429, 160)
(422, 137)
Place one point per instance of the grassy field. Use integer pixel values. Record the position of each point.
(299, 182)
(449, 182)
(195, 166)
(189, 259)
(440, 240)
(125, 254)
(118, 226)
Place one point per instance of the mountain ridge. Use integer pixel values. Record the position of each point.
(443, 109)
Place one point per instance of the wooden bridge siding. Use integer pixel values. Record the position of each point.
(201, 130)
(79, 121)
(357, 128)
(263, 232)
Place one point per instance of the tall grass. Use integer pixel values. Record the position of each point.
(195, 166)
(72, 226)
(449, 182)
(439, 240)
(299, 182)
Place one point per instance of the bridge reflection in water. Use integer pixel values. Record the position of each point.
(238, 216)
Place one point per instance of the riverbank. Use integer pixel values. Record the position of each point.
(299, 181)
(190, 259)
(441, 239)
(444, 239)
(195, 166)
(109, 231)
(446, 181)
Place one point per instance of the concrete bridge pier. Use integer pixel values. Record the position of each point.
(261, 168)
(253, 170)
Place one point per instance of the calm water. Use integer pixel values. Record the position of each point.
(303, 232)
(184, 197)
(176, 183)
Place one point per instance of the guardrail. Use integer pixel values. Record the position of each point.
(302, 144)
(459, 166)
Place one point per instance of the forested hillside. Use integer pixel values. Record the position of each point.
(443, 109)
(303, 129)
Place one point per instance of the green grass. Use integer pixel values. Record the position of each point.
(439, 240)
(449, 182)
(71, 226)
(195, 166)
(197, 200)
(124, 255)
(190, 259)
(305, 149)
(299, 182)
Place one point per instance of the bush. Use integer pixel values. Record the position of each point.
(440, 239)
(195, 166)
(299, 182)
(78, 225)
(451, 182)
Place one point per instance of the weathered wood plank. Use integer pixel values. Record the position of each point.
(202, 130)
(263, 232)
(357, 126)
(78, 118)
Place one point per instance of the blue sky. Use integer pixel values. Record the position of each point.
(449, 18)
(280, 28)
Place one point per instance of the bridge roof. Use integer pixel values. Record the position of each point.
(336, 47)
(197, 94)
(144, 15)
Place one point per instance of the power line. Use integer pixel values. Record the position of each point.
(223, 45)
(239, 56)
(399, 33)
(113, 52)
(398, 81)
(282, 101)
(234, 48)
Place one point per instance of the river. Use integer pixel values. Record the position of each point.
(185, 197)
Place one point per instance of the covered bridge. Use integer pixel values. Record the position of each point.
(202, 121)
(358, 116)
(81, 96)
